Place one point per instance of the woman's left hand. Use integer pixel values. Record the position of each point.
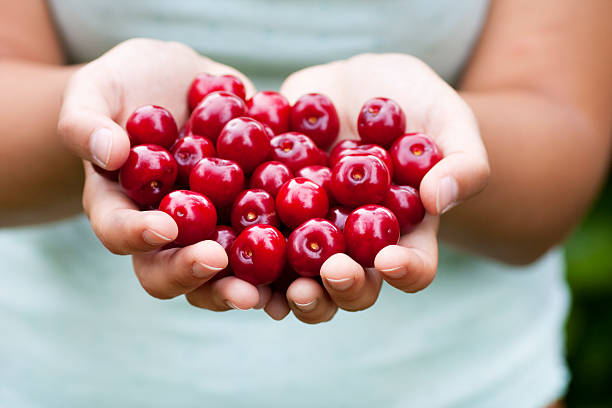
(431, 107)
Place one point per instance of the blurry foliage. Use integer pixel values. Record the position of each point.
(589, 329)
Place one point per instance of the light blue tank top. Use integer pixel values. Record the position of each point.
(78, 331)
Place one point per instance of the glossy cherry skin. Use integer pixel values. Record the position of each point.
(259, 254)
(405, 203)
(148, 174)
(340, 146)
(213, 113)
(413, 155)
(244, 140)
(360, 179)
(204, 84)
(270, 176)
(218, 179)
(224, 236)
(194, 214)
(315, 116)
(319, 174)
(151, 124)
(369, 229)
(112, 175)
(310, 244)
(299, 200)
(270, 108)
(337, 215)
(254, 207)
(295, 150)
(323, 159)
(372, 149)
(381, 121)
(187, 152)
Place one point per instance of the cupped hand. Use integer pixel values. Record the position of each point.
(431, 107)
(97, 103)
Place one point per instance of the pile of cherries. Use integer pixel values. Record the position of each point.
(261, 165)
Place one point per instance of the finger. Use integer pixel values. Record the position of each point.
(225, 294)
(265, 293)
(215, 68)
(169, 273)
(309, 302)
(118, 223)
(277, 308)
(349, 285)
(86, 125)
(411, 265)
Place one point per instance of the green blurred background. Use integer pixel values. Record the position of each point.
(589, 329)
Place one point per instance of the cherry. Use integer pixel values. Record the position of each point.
(338, 215)
(112, 175)
(323, 159)
(295, 150)
(254, 207)
(340, 146)
(148, 174)
(194, 214)
(372, 149)
(258, 254)
(405, 203)
(310, 244)
(270, 176)
(187, 152)
(269, 131)
(299, 200)
(319, 174)
(224, 236)
(381, 121)
(270, 108)
(211, 115)
(244, 140)
(369, 229)
(219, 179)
(204, 84)
(413, 155)
(151, 124)
(314, 115)
(360, 179)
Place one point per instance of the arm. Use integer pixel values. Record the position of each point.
(540, 85)
(45, 180)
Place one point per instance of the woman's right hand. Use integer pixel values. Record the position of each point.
(97, 102)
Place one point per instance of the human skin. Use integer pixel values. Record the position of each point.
(551, 109)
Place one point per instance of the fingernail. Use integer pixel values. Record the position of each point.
(394, 273)
(201, 270)
(307, 307)
(100, 145)
(154, 238)
(233, 306)
(340, 284)
(448, 193)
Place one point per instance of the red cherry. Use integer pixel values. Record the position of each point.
(112, 175)
(381, 121)
(315, 116)
(259, 254)
(254, 207)
(213, 113)
(204, 84)
(269, 131)
(218, 179)
(295, 150)
(372, 149)
(299, 200)
(319, 174)
(194, 214)
(270, 108)
(310, 245)
(338, 215)
(270, 176)
(224, 236)
(323, 159)
(244, 141)
(148, 174)
(151, 124)
(369, 229)
(405, 203)
(187, 152)
(413, 155)
(340, 146)
(360, 179)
